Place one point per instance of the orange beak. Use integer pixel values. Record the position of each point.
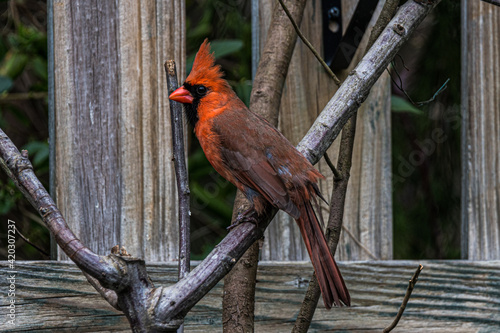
(182, 95)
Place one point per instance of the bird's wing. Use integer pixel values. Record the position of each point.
(250, 162)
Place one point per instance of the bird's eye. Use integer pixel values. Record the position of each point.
(201, 90)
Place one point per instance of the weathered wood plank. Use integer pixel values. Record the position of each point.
(480, 130)
(308, 88)
(451, 296)
(114, 179)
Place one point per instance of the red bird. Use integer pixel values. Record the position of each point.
(253, 155)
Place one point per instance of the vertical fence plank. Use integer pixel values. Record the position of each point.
(113, 172)
(480, 130)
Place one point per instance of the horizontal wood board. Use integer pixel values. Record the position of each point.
(450, 296)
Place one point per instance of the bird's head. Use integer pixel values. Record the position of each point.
(204, 90)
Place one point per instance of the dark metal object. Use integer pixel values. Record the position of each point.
(339, 50)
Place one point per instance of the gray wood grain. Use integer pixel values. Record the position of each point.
(114, 179)
(480, 130)
(450, 296)
(308, 88)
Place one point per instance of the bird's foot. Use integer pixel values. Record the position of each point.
(249, 215)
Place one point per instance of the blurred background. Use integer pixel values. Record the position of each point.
(426, 172)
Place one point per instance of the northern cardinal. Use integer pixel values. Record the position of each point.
(253, 155)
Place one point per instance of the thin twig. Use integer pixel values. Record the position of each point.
(30, 243)
(440, 90)
(402, 89)
(402, 61)
(11, 97)
(400, 85)
(353, 237)
(350, 234)
(336, 173)
(309, 45)
(402, 308)
(181, 173)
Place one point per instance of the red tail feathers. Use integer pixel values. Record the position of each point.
(330, 280)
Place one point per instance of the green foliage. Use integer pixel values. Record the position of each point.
(227, 26)
(23, 70)
(243, 89)
(26, 46)
(39, 66)
(9, 195)
(13, 64)
(399, 104)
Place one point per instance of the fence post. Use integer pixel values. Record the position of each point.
(113, 175)
(480, 130)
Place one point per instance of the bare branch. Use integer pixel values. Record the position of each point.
(358, 243)
(181, 173)
(402, 308)
(273, 65)
(11, 97)
(175, 301)
(335, 172)
(32, 244)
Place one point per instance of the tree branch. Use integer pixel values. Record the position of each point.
(181, 174)
(109, 295)
(332, 167)
(409, 290)
(31, 243)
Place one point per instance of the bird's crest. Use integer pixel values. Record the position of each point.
(204, 69)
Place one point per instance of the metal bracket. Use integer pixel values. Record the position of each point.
(340, 49)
